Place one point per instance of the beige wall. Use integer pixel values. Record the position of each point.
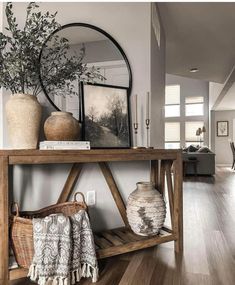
(129, 24)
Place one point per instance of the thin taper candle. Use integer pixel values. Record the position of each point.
(136, 108)
(147, 106)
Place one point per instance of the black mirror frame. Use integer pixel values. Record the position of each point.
(98, 30)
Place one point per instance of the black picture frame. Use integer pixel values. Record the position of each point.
(222, 132)
(129, 88)
(83, 112)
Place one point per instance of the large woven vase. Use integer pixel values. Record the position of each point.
(146, 210)
(23, 114)
(61, 126)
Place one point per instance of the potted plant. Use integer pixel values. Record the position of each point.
(19, 52)
(20, 67)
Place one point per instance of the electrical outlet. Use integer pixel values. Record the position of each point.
(90, 198)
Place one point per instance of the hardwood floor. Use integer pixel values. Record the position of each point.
(209, 242)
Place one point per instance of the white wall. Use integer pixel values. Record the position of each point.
(214, 91)
(129, 24)
(220, 145)
(191, 87)
(157, 88)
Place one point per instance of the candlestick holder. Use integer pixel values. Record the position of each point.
(136, 137)
(147, 123)
(136, 134)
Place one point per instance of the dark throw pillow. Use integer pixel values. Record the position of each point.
(204, 149)
(192, 148)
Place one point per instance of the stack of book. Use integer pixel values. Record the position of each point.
(57, 145)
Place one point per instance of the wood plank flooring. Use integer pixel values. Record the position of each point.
(209, 242)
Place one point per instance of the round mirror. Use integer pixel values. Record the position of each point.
(78, 53)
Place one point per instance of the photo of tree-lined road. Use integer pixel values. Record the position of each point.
(106, 116)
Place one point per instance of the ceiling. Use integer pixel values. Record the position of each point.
(199, 35)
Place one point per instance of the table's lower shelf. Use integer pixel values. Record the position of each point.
(122, 240)
(113, 242)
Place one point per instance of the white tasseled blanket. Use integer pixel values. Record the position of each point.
(64, 250)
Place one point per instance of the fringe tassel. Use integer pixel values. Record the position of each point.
(78, 274)
(46, 280)
(42, 281)
(89, 271)
(95, 274)
(73, 278)
(55, 281)
(85, 270)
(33, 272)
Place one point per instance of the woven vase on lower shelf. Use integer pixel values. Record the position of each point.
(146, 210)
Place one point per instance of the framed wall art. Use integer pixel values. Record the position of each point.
(222, 128)
(106, 116)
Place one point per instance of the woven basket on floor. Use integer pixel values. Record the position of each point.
(22, 227)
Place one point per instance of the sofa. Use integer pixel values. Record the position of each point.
(205, 163)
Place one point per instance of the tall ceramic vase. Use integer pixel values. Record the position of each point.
(146, 210)
(23, 113)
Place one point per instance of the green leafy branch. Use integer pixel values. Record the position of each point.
(20, 50)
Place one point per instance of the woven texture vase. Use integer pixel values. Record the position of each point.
(146, 210)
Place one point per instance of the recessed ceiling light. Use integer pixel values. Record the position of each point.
(194, 69)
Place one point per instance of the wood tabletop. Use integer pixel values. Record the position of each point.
(94, 155)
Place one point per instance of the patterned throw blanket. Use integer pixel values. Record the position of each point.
(64, 250)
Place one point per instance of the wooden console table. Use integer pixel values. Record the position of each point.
(110, 242)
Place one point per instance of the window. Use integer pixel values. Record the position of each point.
(172, 109)
(172, 145)
(194, 106)
(172, 135)
(187, 144)
(172, 101)
(190, 132)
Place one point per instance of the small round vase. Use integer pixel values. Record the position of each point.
(23, 114)
(146, 210)
(61, 126)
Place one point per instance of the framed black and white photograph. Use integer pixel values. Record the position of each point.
(222, 128)
(106, 116)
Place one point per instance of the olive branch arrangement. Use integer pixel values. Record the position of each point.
(20, 49)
